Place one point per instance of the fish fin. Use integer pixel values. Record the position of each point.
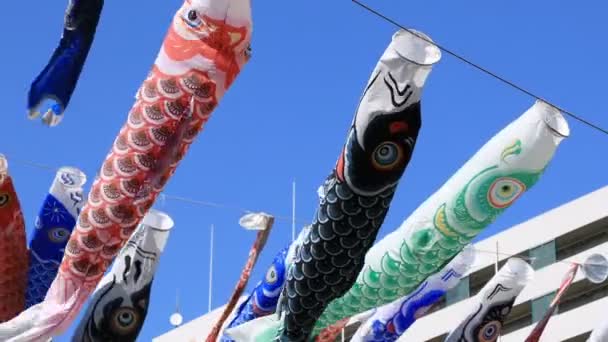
(263, 329)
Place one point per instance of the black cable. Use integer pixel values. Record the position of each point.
(480, 68)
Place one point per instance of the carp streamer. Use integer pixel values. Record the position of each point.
(207, 44)
(53, 87)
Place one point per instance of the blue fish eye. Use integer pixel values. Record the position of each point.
(58, 234)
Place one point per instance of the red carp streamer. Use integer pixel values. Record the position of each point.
(205, 49)
(254, 253)
(331, 333)
(564, 286)
(13, 250)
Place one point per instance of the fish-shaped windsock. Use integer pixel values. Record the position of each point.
(13, 249)
(263, 223)
(119, 305)
(53, 87)
(358, 192)
(207, 45)
(600, 333)
(263, 299)
(390, 321)
(54, 224)
(266, 294)
(493, 303)
(491, 181)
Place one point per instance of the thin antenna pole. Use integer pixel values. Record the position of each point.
(177, 300)
(293, 211)
(497, 259)
(496, 272)
(210, 267)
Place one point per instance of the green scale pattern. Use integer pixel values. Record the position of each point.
(456, 222)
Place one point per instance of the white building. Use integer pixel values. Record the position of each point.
(570, 232)
(197, 329)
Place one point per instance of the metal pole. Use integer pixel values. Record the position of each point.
(497, 258)
(496, 272)
(293, 211)
(210, 266)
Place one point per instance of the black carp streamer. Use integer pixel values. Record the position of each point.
(356, 196)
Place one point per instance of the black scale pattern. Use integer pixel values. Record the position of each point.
(347, 225)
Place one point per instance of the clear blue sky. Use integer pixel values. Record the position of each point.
(287, 115)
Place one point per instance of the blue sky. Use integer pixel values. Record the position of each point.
(287, 115)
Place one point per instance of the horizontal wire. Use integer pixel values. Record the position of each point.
(480, 68)
(162, 196)
(530, 259)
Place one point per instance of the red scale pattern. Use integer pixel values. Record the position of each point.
(13, 252)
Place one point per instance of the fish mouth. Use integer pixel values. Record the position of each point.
(158, 220)
(81, 177)
(53, 113)
(554, 119)
(3, 166)
(416, 47)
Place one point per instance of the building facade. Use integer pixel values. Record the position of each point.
(550, 242)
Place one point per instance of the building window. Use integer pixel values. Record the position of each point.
(581, 293)
(540, 306)
(582, 239)
(479, 279)
(543, 255)
(520, 317)
(458, 293)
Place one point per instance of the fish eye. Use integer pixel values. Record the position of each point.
(192, 18)
(504, 191)
(4, 199)
(124, 319)
(386, 155)
(271, 275)
(489, 332)
(58, 234)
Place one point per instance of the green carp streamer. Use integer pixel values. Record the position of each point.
(454, 224)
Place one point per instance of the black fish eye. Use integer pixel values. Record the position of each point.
(192, 15)
(489, 331)
(124, 320)
(4, 198)
(386, 155)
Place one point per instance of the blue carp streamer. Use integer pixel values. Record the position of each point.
(265, 296)
(390, 321)
(54, 224)
(52, 89)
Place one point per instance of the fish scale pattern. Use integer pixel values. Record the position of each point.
(429, 248)
(40, 272)
(331, 256)
(502, 171)
(206, 46)
(13, 250)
